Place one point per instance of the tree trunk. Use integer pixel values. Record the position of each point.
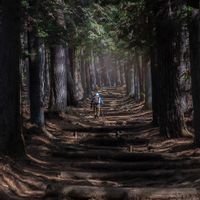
(78, 82)
(59, 76)
(195, 70)
(118, 81)
(155, 87)
(99, 72)
(47, 75)
(88, 80)
(107, 66)
(71, 97)
(36, 78)
(130, 80)
(171, 119)
(122, 72)
(137, 78)
(93, 72)
(104, 71)
(184, 71)
(52, 82)
(59, 64)
(82, 71)
(142, 63)
(128, 77)
(11, 141)
(148, 87)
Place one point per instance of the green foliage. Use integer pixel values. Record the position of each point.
(102, 25)
(24, 4)
(112, 24)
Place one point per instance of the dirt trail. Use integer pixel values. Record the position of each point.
(119, 156)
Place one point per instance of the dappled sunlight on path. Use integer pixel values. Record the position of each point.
(118, 156)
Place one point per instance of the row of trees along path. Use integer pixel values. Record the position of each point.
(144, 58)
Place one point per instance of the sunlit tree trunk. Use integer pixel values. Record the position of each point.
(59, 65)
(184, 71)
(11, 141)
(59, 78)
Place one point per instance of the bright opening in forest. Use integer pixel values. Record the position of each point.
(100, 99)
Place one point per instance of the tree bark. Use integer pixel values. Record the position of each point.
(82, 71)
(59, 64)
(11, 141)
(195, 70)
(78, 79)
(155, 87)
(148, 87)
(184, 71)
(59, 76)
(93, 71)
(118, 81)
(36, 78)
(71, 97)
(88, 78)
(122, 72)
(137, 78)
(128, 74)
(104, 71)
(142, 63)
(168, 32)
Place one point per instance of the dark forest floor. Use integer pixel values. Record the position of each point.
(119, 156)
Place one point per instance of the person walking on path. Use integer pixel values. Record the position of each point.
(96, 103)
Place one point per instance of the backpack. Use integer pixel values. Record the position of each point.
(96, 100)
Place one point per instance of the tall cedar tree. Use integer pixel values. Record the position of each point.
(195, 68)
(11, 141)
(36, 69)
(168, 38)
(59, 66)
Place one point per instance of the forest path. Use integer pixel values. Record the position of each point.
(119, 156)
